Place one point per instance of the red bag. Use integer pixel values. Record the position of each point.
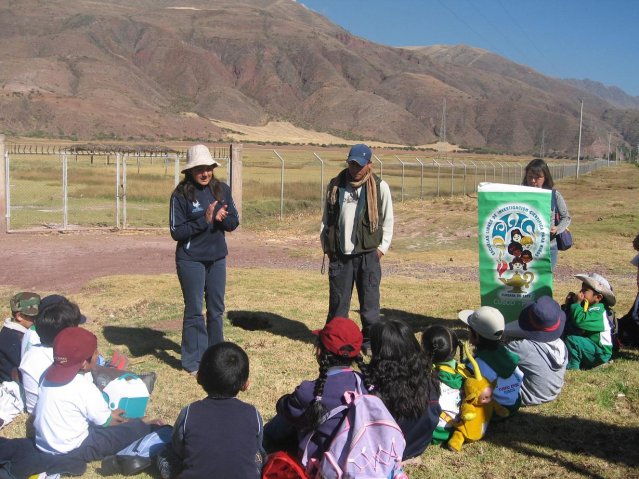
(280, 465)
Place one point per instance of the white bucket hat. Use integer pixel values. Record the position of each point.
(600, 285)
(199, 155)
(486, 321)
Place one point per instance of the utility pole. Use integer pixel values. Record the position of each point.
(581, 118)
(609, 133)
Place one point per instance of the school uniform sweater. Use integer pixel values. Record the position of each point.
(592, 322)
(451, 383)
(196, 239)
(219, 437)
(10, 339)
(292, 406)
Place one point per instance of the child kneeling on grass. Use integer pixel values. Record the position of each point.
(588, 335)
(71, 415)
(496, 363)
(219, 436)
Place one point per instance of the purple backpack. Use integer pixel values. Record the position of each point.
(368, 444)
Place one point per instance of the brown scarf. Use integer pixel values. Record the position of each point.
(365, 176)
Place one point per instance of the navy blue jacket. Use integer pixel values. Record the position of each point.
(418, 432)
(196, 239)
(219, 438)
(293, 406)
(9, 352)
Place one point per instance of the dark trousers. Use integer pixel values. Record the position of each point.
(365, 272)
(106, 441)
(201, 279)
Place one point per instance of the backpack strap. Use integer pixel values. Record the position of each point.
(553, 207)
(359, 386)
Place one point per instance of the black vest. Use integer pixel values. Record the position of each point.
(366, 241)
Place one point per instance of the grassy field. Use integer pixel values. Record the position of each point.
(591, 431)
(37, 189)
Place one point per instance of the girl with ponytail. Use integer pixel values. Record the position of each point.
(303, 411)
(440, 346)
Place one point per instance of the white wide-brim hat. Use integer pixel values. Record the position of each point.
(486, 321)
(199, 155)
(600, 285)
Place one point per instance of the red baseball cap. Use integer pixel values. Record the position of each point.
(71, 347)
(341, 336)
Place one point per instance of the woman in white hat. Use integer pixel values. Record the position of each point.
(202, 210)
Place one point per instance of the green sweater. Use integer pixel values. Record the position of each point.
(593, 323)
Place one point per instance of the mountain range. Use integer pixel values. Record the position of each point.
(161, 69)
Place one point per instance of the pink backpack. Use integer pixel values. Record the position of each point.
(368, 444)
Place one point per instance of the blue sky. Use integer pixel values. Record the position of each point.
(594, 39)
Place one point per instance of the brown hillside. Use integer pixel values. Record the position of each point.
(96, 69)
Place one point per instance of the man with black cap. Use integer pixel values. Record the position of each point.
(357, 228)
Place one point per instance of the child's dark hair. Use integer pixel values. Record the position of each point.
(440, 344)
(224, 370)
(484, 343)
(635, 243)
(54, 318)
(316, 410)
(400, 373)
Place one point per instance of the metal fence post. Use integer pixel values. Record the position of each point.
(6, 184)
(463, 163)
(321, 179)
(281, 185)
(381, 167)
(117, 190)
(125, 157)
(452, 177)
(475, 181)
(438, 171)
(176, 170)
(421, 179)
(402, 195)
(65, 192)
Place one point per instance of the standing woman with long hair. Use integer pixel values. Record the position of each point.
(537, 175)
(400, 374)
(201, 211)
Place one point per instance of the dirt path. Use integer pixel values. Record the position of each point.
(66, 262)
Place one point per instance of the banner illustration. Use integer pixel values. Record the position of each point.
(514, 246)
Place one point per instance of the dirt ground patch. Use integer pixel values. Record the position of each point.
(65, 262)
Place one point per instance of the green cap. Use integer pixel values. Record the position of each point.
(26, 303)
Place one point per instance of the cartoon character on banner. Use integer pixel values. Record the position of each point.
(520, 229)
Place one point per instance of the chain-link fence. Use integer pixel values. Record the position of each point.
(63, 188)
(82, 187)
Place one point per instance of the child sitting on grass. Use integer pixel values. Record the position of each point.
(219, 436)
(24, 308)
(402, 377)
(629, 323)
(53, 316)
(303, 411)
(588, 329)
(71, 416)
(440, 345)
(495, 362)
